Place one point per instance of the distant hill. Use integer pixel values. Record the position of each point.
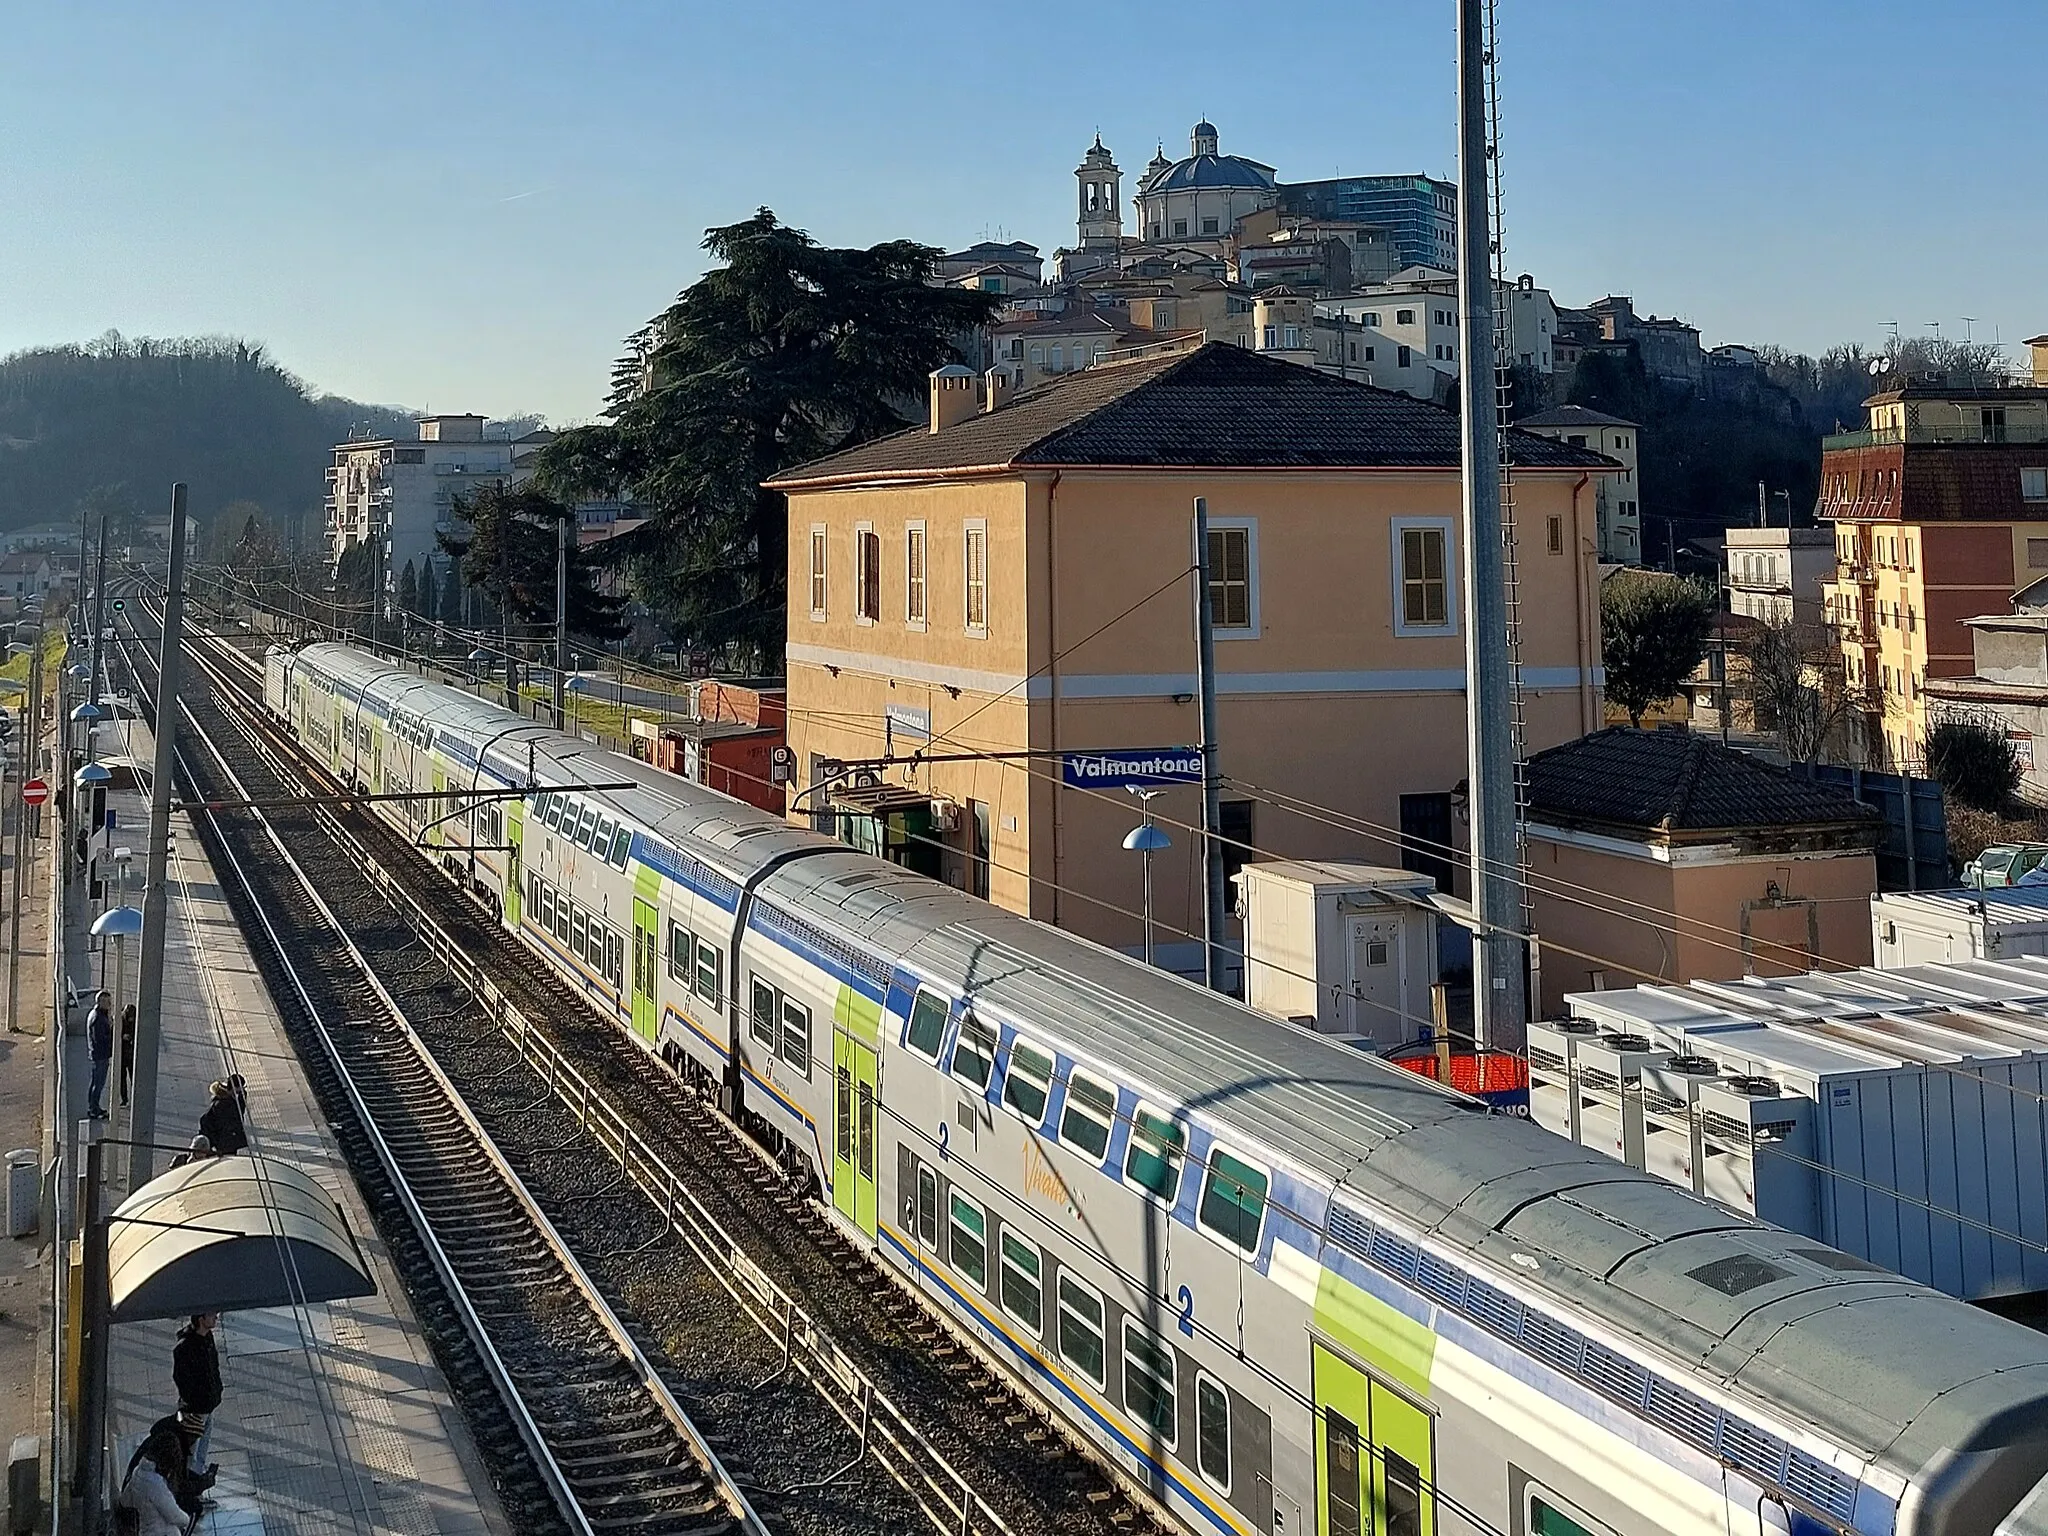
(108, 425)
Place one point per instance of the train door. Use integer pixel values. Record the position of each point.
(854, 1108)
(646, 968)
(1375, 1457)
(515, 833)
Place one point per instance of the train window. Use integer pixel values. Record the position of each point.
(762, 1025)
(796, 1036)
(601, 843)
(1212, 1431)
(1153, 1160)
(562, 906)
(552, 816)
(1022, 1290)
(710, 973)
(967, 1239)
(1233, 1200)
(974, 1053)
(1148, 1383)
(1404, 1495)
(578, 932)
(1547, 1518)
(622, 844)
(682, 944)
(585, 826)
(1080, 1322)
(927, 1031)
(1028, 1082)
(1090, 1112)
(927, 1207)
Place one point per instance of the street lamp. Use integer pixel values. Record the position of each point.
(1146, 839)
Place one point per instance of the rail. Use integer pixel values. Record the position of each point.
(808, 1349)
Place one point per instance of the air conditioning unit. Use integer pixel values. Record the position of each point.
(1609, 1073)
(1552, 1046)
(1671, 1142)
(946, 815)
(1756, 1145)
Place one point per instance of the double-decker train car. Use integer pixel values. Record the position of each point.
(1281, 1286)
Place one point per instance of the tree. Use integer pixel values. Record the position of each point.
(451, 605)
(785, 352)
(409, 589)
(1654, 633)
(1975, 763)
(509, 554)
(430, 591)
(1798, 688)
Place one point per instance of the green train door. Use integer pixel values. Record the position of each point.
(646, 970)
(1375, 1456)
(854, 1107)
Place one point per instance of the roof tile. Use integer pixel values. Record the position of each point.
(1674, 781)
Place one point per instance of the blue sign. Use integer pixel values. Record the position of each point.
(1137, 766)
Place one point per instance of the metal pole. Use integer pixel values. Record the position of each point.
(1212, 773)
(156, 904)
(1499, 1012)
(90, 1464)
(29, 749)
(562, 623)
(99, 621)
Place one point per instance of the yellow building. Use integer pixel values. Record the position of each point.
(1003, 586)
(1940, 512)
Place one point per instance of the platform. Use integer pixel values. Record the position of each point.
(335, 1416)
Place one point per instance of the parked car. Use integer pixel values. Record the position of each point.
(2004, 864)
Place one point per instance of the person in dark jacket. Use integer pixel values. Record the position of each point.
(127, 1050)
(222, 1123)
(99, 1039)
(170, 1443)
(195, 1371)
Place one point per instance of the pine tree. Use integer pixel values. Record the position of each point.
(409, 589)
(430, 591)
(509, 553)
(451, 595)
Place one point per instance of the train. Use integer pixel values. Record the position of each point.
(1279, 1285)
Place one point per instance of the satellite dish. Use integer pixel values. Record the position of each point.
(1878, 365)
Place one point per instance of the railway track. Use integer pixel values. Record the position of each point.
(882, 1347)
(606, 1445)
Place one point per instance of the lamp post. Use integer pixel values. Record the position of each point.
(1146, 840)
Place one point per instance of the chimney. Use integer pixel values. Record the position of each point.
(953, 395)
(998, 392)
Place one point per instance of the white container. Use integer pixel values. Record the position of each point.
(24, 1191)
(1909, 928)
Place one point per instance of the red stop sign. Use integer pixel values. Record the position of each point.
(34, 792)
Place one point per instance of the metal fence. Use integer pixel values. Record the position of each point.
(1914, 853)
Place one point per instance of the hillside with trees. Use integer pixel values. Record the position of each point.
(106, 426)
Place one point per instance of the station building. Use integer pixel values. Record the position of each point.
(1008, 582)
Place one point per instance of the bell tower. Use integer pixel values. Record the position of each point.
(1101, 220)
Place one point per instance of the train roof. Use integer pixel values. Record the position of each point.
(1877, 1365)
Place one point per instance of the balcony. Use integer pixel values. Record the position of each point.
(1951, 434)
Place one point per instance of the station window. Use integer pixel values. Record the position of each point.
(1148, 1383)
(1090, 1112)
(967, 1239)
(1028, 1082)
(1081, 1340)
(974, 1054)
(927, 1029)
(1233, 1200)
(1154, 1159)
(1023, 1290)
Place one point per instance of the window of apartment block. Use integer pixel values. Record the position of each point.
(1180, 227)
(974, 571)
(2037, 554)
(1290, 336)
(1272, 337)
(1553, 530)
(1233, 601)
(1372, 317)
(1234, 827)
(2034, 484)
(1208, 226)
(867, 573)
(1401, 358)
(913, 574)
(817, 572)
(1404, 317)
(1368, 354)
(1422, 576)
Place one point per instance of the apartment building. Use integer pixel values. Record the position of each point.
(407, 490)
(1007, 590)
(1776, 574)
(1940, 511)
(1617, 497)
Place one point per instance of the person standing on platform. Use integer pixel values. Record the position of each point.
(127, 1050)
(222, 1123)
(150, 1492)
(195, 1371)
(200, 1150)
(99, 1039)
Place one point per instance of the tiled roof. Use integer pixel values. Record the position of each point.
(1675, 781)
(1572, 416)
(1219, 406)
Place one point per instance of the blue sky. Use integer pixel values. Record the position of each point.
(467, 205)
